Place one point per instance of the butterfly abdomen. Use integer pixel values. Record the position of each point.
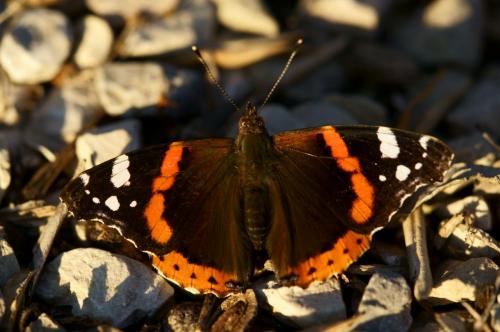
(255, 215)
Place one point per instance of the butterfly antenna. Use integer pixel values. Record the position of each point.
(290, 59)
(213, 79)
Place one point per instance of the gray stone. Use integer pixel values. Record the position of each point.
(475, 206)
(44, 324)
(105, 287)
(463, 281)
(320, 303)
(64, 113)
(4, 171)
(129, 8)
(36, 45)
(121, 86)
(8, 261)
(106, 142)
(385, 304)
(494, 317)
(365, 15)
(481, 106)
(389, 253)
(321, 113)
(95, 44)
(248, 16)
(192, 25)
(445, 31)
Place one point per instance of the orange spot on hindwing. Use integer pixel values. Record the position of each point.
(362, 207)
(193, 277)
(158, 226)
(347, 249)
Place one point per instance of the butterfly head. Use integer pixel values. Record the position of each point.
(251, 122)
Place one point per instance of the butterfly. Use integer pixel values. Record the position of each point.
(205, 210)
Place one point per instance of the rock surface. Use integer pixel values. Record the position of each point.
(44, 324)
(36, 46)
(8, 261)
(128, 8)
(106, 287)
(4, 172)
(95, 44)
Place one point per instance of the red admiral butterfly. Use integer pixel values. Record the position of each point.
(204, 210)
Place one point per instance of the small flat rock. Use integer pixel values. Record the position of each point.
(8, 261)
(476, 206)
(105, 287)
(386, 304)
(193, 25)
(95, 44)
(365, 15)
(35, 46)
(121, 86)
(320, 303)
(445, 31)
(4, 171)
(128, 8)
(494, 317)
(106, 142)
(63, 114)
(248, 16)
(44, 323)
(322, 113)
(481, 106)
(463, 281)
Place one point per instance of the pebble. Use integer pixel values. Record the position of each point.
(463, 281)
(444, 32)
(475, 206)
(8, 261)
(320, 303)
(120, 86)
(472, 148)
(321, 113)
(95, 44)
(386, 304)
(106, 142)
(462, 240)
(4, 172)
(365, 110)
(249, 16)
(390, 254)
(183, 317)
(480, 108)
(364, 15)
(193, 25)
(63, 114)
(103, 286)
(35, 46)
(44, 323)
(130, 8)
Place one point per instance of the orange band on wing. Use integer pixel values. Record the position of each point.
(177, 268)
(362, 207)
(344, 251)
(158, 227)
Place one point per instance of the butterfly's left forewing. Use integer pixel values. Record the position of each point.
(332, 186)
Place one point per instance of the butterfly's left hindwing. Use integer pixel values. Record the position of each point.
(178, 202)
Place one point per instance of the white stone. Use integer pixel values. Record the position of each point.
(95, 44)
(112, 203)
(103, 143)
(320, 303)
(128, 8)
(388, 144)
(105, 287)
(402, 172)
(121, 86)
(248, 16)
(4, 172)
(35, 46)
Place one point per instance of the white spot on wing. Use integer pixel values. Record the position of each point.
(388, 143)
(423, 141)
(120, 175)
(112, 203)
(382, 178)
(418, 166)
(87, 192)
(402, 172)
(133, 204)
(85, 179)
(424, 155)
(96, 200)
